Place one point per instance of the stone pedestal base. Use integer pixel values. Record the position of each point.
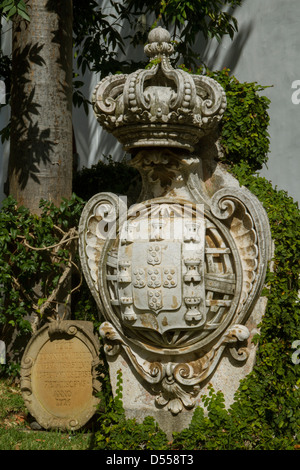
(139, 398)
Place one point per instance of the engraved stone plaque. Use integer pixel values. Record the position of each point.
(58, 375)
(2, 352)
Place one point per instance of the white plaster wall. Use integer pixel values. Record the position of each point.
(92, 143)
(266, 50)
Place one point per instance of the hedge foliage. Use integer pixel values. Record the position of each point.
(245, 136)
(265, 414)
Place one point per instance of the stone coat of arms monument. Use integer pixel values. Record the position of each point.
(177, 277)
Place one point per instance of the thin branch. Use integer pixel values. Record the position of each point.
(67, 237)
(80, 274)
(51, 247)
(54, 293)
(60, 229)
(27, 296)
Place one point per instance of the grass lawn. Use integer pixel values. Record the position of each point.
(16, 433)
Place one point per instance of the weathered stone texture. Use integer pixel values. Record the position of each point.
(59, 375)
(177, 277)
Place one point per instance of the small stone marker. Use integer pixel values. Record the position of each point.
(58, 375)
(2, 352)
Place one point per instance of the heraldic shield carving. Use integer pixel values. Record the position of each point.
(177, 275)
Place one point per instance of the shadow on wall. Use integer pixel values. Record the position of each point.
(213, 52)
(214, 55)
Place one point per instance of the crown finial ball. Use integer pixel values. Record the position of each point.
(159, 35)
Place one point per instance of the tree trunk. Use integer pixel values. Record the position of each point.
(40, 165)
(41, 144)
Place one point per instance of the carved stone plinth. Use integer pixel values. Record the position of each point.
(59, 375)
(178, 276)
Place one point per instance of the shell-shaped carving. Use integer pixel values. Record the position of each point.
(249, 227)
(98, 221)
(246, 239)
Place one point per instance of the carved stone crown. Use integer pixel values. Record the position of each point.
(159, 106)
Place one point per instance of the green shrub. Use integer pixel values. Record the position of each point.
(118, 433)
(116, 177)
(35, 254)
(244, 127)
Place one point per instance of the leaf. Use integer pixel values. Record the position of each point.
(13, 7)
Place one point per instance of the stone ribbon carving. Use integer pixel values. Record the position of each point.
(177, 275)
